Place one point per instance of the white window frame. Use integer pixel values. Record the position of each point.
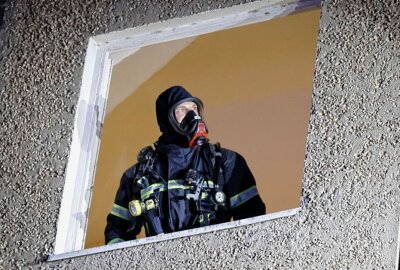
(101, 54)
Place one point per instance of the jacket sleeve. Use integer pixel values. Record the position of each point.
(121, 225)
(242, 194)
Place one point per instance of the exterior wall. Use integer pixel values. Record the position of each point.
(351, 180)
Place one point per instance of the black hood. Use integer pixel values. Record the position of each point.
(166, 101)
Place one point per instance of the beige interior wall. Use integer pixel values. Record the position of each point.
(256, 84)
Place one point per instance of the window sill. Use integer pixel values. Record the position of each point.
(171, 236)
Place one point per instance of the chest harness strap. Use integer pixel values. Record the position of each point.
(212, 197)
(208, 196)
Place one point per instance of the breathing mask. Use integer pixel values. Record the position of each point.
(192, 125)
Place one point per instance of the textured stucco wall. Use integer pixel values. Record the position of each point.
(351, 179)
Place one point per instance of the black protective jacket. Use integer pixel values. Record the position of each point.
(174, 210)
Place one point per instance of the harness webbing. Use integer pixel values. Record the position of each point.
(172, 184)
(218, 176)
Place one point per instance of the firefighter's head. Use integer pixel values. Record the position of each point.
(182, 109)
(179, 116)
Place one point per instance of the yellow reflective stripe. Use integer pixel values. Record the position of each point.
(176, 186)
(121, 212)
(209, 183)
(150, 189)
(243, 196)
(120, 207)
(145, 193)
(148, 193)
(172, 184)
(173, 181)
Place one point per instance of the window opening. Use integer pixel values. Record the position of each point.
(155, 54)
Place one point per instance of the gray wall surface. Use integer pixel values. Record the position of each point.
(352, 167)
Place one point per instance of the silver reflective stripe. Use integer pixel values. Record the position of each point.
(121, 212)
(243, 196)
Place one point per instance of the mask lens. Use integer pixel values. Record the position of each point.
(183, 118)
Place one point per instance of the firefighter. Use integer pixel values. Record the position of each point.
(183, 181)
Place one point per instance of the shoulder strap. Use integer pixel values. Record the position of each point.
(217, 163)
(146, 159)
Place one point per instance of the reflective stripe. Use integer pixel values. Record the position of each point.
(121, 212)
(173, 181)
(209, 183)
(172, 184)
(243, 196)
(176, 186)
(145, 193)
(115, 240)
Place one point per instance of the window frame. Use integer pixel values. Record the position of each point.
(102, 53)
